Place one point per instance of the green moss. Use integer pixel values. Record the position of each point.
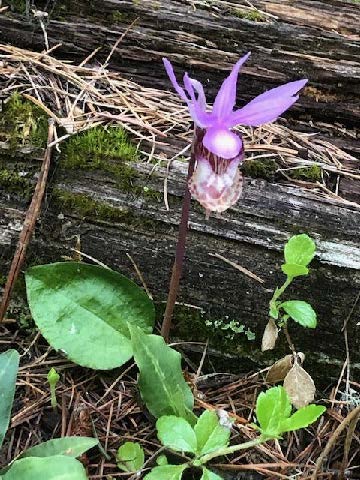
(224, 334)
(94, 147)
(17, 6)
(253, 15)
(264, 168)
(23, 123)
(312, 173)
(122, 17)
(109, 151)
(85, 206)
(14, 182)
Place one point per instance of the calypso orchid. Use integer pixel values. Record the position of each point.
(217, 182)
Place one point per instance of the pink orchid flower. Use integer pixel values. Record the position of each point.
(217, 181)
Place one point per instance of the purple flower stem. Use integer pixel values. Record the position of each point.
(180, 252)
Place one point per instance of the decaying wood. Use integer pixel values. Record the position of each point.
(318, 40)
(206, 37)
(251, 234)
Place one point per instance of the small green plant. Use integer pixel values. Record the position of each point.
(53, 460)
(298, 253)
(209, 438)
(231, 328)
(130, 457)
(53, 377)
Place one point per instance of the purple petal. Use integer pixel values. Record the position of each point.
(170, 71)
(200, 91)
(226, 97)
(267, 106)
(197, 107)
(222, 142)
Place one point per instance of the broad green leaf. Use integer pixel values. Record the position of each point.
(9, 365)
(84, 311)
(58, 467)
(293, 270)
(302, 418)
(210, 434)
(130, 457)
(299, 250)
(209, 475)
(301, 312)
(272, 408)
(166, 472)
(69, 446)
(176, 433)
(161, 382)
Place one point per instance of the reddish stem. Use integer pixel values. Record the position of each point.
(180, 253)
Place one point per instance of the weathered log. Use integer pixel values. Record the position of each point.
(112, 222)
(318, 40)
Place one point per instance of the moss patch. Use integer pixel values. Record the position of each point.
(253, 15)
(110, 151)
(22, 123)
(85, 206)
(91, 149)
(311, 174)
(264, 168)
(17, 6)
(14, 182)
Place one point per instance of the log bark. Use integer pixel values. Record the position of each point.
(206, 39)
(318, 40)
(252, 235)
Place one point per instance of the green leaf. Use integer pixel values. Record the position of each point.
(301, 312)
(166, 472)
(84, 310)
(299, 250)
(302, 418)
(58, 467)
(209, 475)
(68, 446)
(210, 434)
(176, 433)
(293, 270)
(162, 460)
(130, 457)
(161, 382)
(9, 365)
(272, 408)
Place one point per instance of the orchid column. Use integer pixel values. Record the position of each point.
(213, 176)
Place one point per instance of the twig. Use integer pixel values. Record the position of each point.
(238, 267)
(29, 225)
(347, 421)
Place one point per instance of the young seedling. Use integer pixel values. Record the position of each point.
(53, 377)
(209, 438)
(298, 253)
(130, 457)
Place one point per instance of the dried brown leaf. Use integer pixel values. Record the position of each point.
(299, 386)
(279, 369)
(270, 336)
